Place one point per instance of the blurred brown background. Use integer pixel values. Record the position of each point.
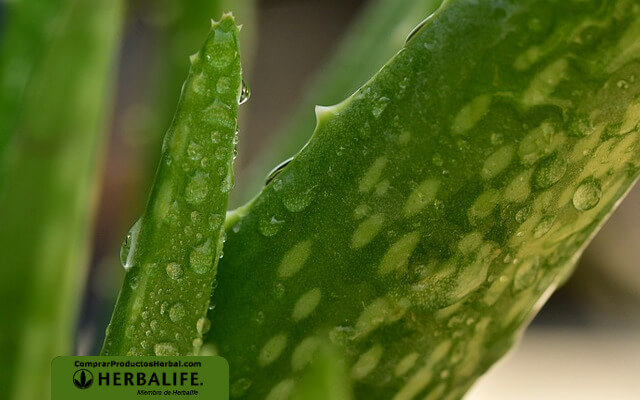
(585, 344)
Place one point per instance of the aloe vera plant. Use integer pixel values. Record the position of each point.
(171, 253)
(53, 120)
(435, 210)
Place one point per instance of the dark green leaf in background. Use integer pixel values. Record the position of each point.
(53, 120)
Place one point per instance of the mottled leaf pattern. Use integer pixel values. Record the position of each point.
(436, 209)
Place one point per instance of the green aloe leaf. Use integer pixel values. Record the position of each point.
(48, 174)
(171, 253)
(374, 38)
(436, 209)
(180, 30)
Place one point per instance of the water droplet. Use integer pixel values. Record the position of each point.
(153, 325)
(379, 106)
(227, 183)
(176, 312)
(297, 200)
(165, 349)
(523, 214)
(549, 172)
(194, 151)
(341, 335)
(269, 226)
(133, 283)
(216, 136)
(236, 140)
(197, 188)
(587, 195)
(259, 318)
(201, 258)
(544, 226)
(133, 352)
(127, 244)
(197, 344)
(164, 307)
(220, 114)
(526, 274)
(622, 84)
(223, 85)
(239, 387)
(174, 270)
(203, 325)
(245, 93)
(124, 250)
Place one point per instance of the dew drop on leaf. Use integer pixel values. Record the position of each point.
(543, 226)
(587, 195)
(239, 387)
(526, 274)
(203, 325)
(245, 93)
(523, 214)
(127, 244)
(174, 270)
(622, 84)
(165, 349)
(379, 106)
(194, 152)
(549, 172)
(201, 258)
(197, 188)
(176, 312)
(269, 226)
(124, 250)
(298, 200)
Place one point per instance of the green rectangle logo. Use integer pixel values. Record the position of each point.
(125, 378)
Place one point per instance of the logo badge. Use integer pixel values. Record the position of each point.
(83, 379)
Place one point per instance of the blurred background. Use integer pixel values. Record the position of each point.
(584, 344)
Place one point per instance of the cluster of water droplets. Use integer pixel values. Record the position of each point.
(148, 331)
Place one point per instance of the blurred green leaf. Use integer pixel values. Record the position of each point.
(49, 174)
(325, 378)
(436, 209)
(27, 28)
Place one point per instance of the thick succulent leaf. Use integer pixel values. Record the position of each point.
(374, 38)
(171, 253)
(180, 28)
(48, 176)
(437, 208)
